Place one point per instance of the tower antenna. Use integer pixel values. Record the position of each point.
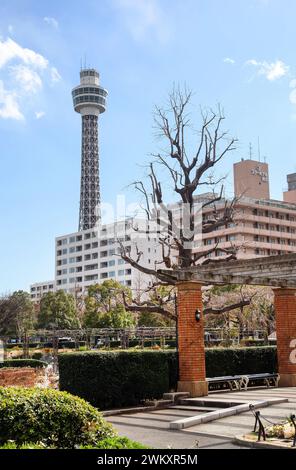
(250, 151)
(259, 150)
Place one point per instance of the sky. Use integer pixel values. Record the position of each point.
(239, 53)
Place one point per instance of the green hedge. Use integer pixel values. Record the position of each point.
(125, 378)
(232, 361)
(53, 418)
(116, 442)
(115, 379)
(23, 363)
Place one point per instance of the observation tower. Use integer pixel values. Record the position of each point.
(89, 99)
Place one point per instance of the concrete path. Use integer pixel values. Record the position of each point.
(243, 423)
(151, 428)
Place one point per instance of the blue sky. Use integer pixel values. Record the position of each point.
(240, 53)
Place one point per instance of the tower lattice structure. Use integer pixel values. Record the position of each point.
(89, 99)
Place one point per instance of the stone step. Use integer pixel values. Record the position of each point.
(193, 408)
(213, 403)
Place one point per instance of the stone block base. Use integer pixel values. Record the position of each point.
(287, 380)
(195, 389)
(175, 396)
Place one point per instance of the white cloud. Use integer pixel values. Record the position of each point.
(9, 107)
(270, 70)
(23, 72)
(228, 60)
(39, 114)
(55, 76)
(144, 18)
(51, 21)
(28, 80)
(10, 50)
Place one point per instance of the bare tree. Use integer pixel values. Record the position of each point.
(189, 170)
(164, 303)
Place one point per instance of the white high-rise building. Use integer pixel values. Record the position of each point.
(91, 256)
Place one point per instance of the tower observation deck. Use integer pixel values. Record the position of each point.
(89, 99)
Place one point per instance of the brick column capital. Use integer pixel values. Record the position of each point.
(188, 285)
(284, 291)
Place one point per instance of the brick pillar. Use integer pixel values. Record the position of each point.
(192, 370)
(285, 307)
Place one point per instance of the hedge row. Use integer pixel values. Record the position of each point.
(126, 378)
(115, 379)
(49, 344)
(23, 363)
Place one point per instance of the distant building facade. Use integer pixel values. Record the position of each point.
(38, 289)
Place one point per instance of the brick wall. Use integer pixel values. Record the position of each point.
(285, 307)
(21, 376)
(190, 333)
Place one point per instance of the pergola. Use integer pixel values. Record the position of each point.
(278, 272)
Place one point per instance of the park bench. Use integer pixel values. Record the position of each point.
(232, 382)
(269, 380)
(243, 382)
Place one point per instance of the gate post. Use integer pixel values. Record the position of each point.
(192, 370)
(285, 308)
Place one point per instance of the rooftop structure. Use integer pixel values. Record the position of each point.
(251, 179)
(290, 194)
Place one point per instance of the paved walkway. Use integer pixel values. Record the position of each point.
(243, 423)
(151, 428)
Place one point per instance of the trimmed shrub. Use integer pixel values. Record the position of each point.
(56, 419)
(37, 355)
(21, 345)
(232, 361)
(108, 443)
(127, 378)
(115, 379)
(23, 363)
(117, 443)
(11, 445)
